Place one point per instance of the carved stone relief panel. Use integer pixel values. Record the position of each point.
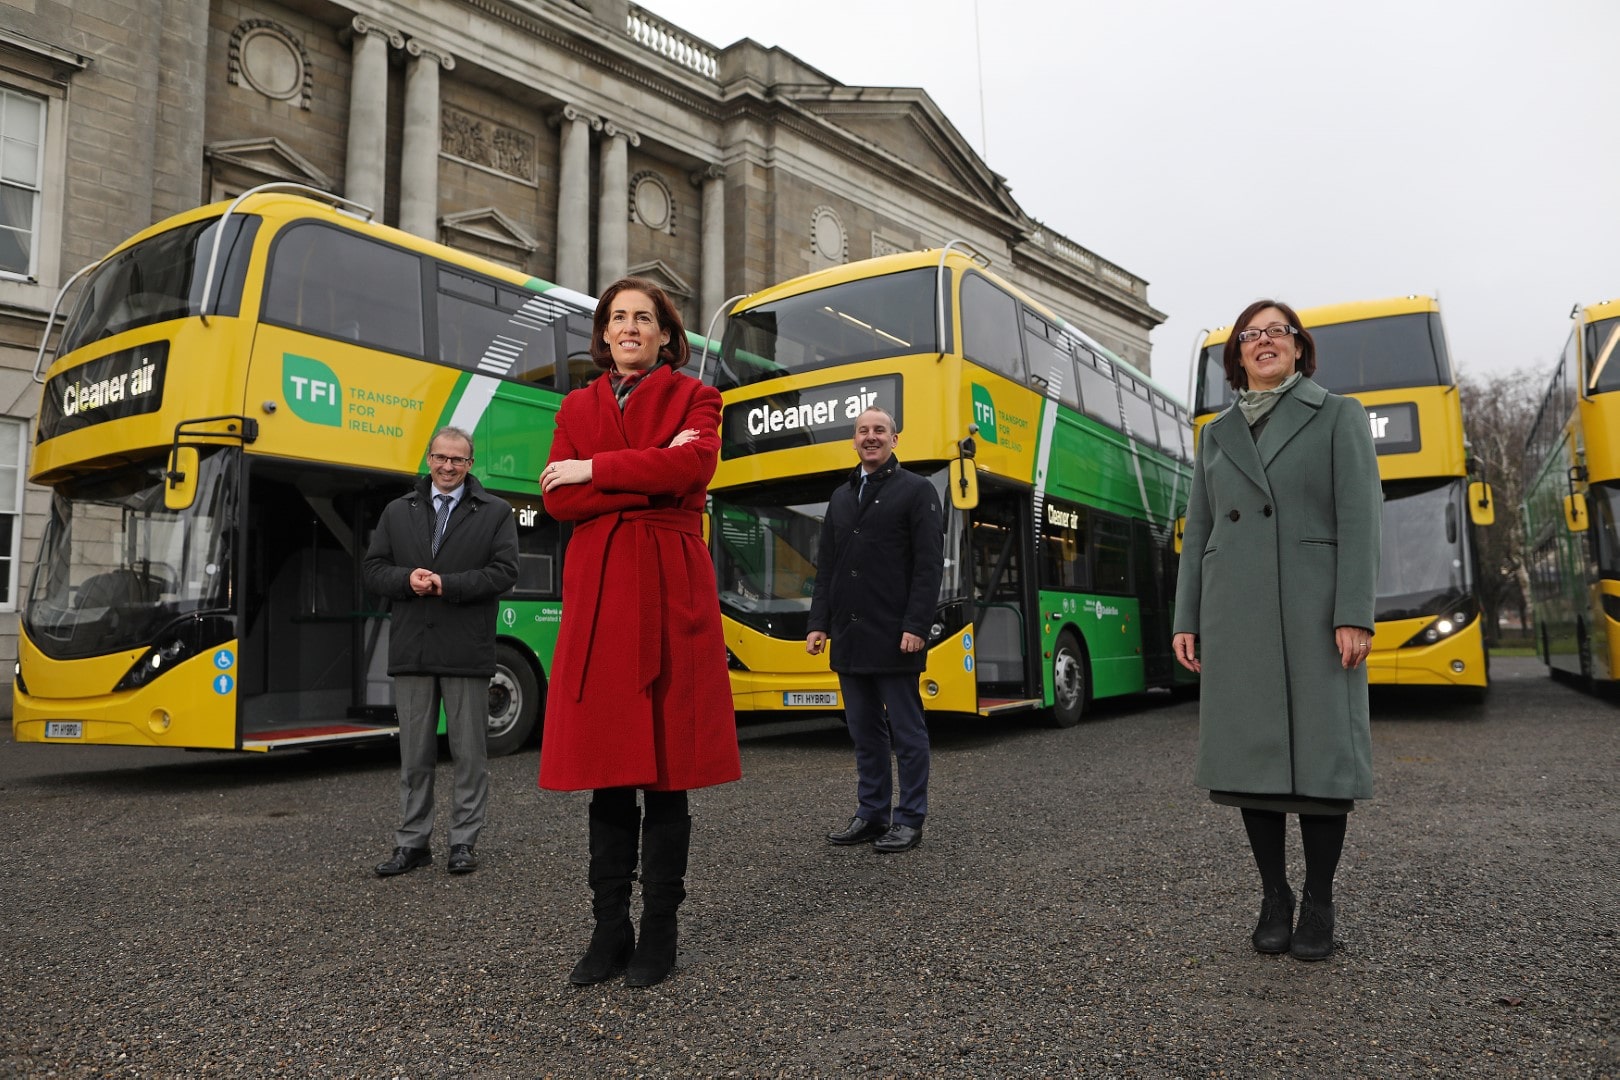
(486, 143)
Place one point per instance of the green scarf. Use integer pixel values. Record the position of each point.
(1257, 403)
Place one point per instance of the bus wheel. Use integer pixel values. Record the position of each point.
(1070, 684)
(514, 702)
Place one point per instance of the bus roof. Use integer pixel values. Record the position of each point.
(957, 260)
(1354, 311)
(287, 205)
(1603, 309)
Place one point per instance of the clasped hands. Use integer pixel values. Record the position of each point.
(426, 583)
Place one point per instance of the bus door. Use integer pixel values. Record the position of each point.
(998, 556)
(1154, 565)
(314, 645)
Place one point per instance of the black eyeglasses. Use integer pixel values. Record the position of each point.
(1270, 332)
(444, 459)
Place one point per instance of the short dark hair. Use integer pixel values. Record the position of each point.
(880, 409)
(451, 432)
(675, 354)
(1232, 355)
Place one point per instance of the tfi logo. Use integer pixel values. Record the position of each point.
(311, 390)
(984, 413)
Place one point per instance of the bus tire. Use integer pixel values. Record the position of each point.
(514, 702)
(1071, 680)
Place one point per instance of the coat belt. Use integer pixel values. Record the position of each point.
(646, 571)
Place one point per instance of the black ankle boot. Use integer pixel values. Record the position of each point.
(1313, 937)
(664, 847)
(613, 868)
(1272, 934)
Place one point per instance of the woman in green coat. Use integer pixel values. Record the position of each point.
(1274, 609)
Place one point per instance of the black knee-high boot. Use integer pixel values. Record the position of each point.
(664, 846)
(614, 825)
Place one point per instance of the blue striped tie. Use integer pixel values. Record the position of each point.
(441, 521)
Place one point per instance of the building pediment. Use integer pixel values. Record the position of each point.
(905, 124)
(490, 225)
(663, 275)
(269, 158)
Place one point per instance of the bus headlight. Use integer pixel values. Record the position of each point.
(733, 663)
(154, 662)
(1445, 625)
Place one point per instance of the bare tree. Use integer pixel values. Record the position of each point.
(1498, 411)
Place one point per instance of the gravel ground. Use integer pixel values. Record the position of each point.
(1076, 908)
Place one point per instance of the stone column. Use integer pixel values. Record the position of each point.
(712, 271)
(363, 170)
(574, 197)
(419, 147)
(613, 212)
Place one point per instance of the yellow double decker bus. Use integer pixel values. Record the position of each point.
(1572, 503)
(1392, 356)
(238, 391)
(1063, 468)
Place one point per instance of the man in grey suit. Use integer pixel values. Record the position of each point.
(443, 553)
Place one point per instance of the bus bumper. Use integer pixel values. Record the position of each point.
(1458, 660)
(183, 708)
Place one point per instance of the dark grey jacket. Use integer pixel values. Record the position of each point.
(878, 570)
(453, 634)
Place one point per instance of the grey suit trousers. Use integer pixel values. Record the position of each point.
(466, 706)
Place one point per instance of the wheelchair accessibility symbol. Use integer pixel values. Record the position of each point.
(224, 659)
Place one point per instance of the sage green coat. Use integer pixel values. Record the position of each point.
(1281, 547)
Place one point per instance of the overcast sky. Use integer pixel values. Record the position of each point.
(1313, 150)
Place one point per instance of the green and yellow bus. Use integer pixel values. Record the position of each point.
(1064, 470)
(1572, 504)
(1392, 356)
(237, 392)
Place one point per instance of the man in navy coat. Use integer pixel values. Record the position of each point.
(443, 554)
(878, 570)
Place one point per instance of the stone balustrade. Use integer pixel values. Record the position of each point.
(651, 32)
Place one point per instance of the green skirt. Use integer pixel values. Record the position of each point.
(1283, 804)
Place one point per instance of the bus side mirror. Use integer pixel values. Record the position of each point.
(180, 481)
(964, 484)
(1481, 508)
(1575, 512)
(964, 477)
(1181, 527)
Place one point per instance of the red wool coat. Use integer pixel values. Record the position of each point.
(639, 693)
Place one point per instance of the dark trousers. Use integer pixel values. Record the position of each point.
(885, 717)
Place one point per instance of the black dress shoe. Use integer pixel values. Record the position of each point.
(898, 838)
(462, 859)
(858, 831)
(405, 859)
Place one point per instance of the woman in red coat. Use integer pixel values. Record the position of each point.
(639, 694)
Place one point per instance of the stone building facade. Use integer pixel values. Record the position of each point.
(574, 139)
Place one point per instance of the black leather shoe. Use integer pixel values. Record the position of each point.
(898, 838)
(858, 831)
(462, 859)
(1274, 931)
(1313, 937)
(405, 859)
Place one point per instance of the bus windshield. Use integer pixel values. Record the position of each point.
(160, 278)
(766, 545)
(1603, 355)
(116, 565)
(869, 319)
(1604, 503)
(1425, 563)
(1352, 357)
